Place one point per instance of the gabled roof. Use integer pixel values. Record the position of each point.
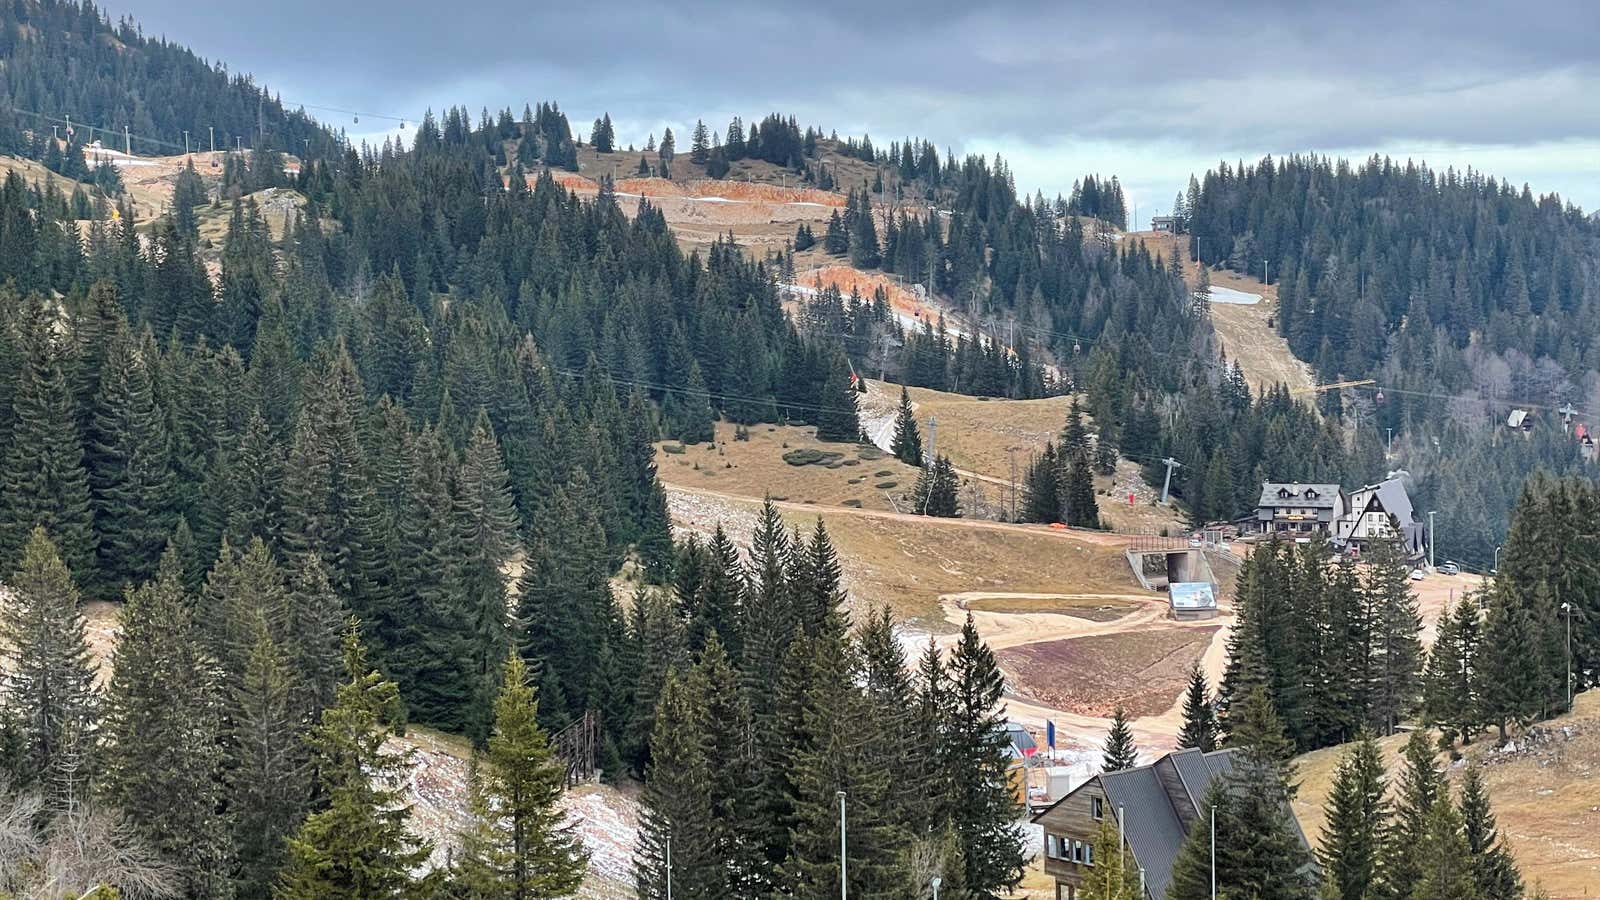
(1146, 809)
(1391, 495)
(1321, 496)
(1022, 743)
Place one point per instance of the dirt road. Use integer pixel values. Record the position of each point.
(1006, 630)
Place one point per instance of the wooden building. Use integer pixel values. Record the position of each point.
(1154, 806)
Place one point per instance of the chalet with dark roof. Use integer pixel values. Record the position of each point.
(1299, 510)
(1154, 806)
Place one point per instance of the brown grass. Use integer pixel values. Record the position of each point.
(1093, 609)
(755, 468)
(1140, 670)
(909, 562)
(1546, 798)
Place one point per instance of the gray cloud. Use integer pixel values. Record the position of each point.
(1149, 91)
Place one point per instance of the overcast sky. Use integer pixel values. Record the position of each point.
(1147, 91)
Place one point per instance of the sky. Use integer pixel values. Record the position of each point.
(1148, 92)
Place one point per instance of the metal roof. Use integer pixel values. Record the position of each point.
(1277, 493)
(1148, 821)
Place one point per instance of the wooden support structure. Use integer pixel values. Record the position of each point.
(576, 745)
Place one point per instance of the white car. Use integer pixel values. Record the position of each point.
(1449, 568)
(1416, 574)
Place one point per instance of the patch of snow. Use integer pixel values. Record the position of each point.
(1233, 297)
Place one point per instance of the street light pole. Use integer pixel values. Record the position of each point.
(669, 867)
(1213, 851)
(844, 884)
(1389, 448)
(936, 882)
(1496, 569)
(1431, 539)
(1567, 608)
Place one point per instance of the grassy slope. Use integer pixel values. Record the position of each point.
(1242, 331)
(1546, 795)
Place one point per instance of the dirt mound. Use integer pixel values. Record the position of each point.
(650, 187)
(760, 192)
(572, 181)
(1142, 671)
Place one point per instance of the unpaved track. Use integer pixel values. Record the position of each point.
(1005, 630)
(1100, 538)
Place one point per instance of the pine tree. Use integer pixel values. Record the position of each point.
(1510, 689)
(565, 608)
(1042, 503)
(311, 642)
(982, 807)
(129, 476)
(836, 754)
(818, 596)
(1494, 872)
(700, 148)
(725, 736)
(838, 420)
(676, 805)
(163, 752)
(935, 491)
(714, 608)
(1263, 855)
(49, 691)
(1444, 862)
(1199, 715)
(1352, 835)
(523, 850)
(42, 478)
(1421, 788)
(907, 443)
(358, 846)
(1120, 752)
(1076, 490)
(1106, 880)
(1449, 684)
(1397, 647)
(267, 775)
(485, 523)
(688, 411)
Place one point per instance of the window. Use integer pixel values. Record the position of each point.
(1077, 851)
(1097, 808)
(1052, 846)
(1088, 854)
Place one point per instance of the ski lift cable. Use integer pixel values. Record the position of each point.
(119, 133)
(356, 114)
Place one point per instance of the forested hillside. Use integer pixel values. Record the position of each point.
(67, 59)
(1462, 297)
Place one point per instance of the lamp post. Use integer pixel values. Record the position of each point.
(844, 885)
(669, 867)
(936, 882)
(1213, 851)
(1432, 540)
(1567, 608)
(1496, 569)
(1389, 449)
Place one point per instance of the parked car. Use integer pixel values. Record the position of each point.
(1449, 568)
(1416, 574)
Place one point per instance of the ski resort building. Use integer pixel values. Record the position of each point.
(1299, 510)
(1154, 807)
(1350, 520)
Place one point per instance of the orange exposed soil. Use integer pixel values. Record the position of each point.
(849, 279)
